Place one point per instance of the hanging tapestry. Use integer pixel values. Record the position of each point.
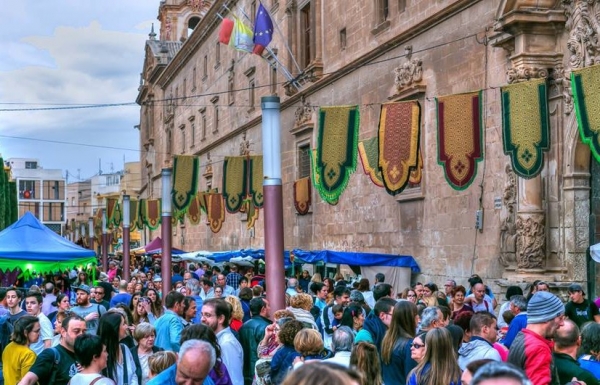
(316, 173)
(98, 224)
(235, 178)
(111, 208)
(117, 217)
(202, 200)
(417, 173)
(133, 214)
(185, 180)
(525, 126)
(302, 195)
(141, 214)
(399, 135)
(368, 150)
(194, 212)
(337, 142)
(459, 136)
(255, 185)
(251, 212)
(153, 213)
(586, 92)
(216, 211)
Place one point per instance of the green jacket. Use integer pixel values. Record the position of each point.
(251, 333)
(567, 368)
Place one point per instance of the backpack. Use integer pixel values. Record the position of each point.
(6, 330)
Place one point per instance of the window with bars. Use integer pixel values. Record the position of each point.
(303, 161)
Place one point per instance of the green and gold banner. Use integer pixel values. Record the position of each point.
(368, 150)
(153, 211)
(337, 142)
(255, 185)
(525, 126)
(185, 180)
(586, 92)
(235, 179)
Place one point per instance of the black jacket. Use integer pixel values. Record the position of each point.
(136, 359)
(251, 333)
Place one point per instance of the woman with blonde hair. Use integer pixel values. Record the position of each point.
(300, 306)
(430, 294)
(309, 343)
(316, 277)
(365, 359)
(439, 364)
(237, 313)
(159, 362)
(395, 347)
(324, 373)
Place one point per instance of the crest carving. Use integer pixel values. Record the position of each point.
(408, 73)
(304, 114)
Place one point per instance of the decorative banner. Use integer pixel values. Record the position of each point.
(235, 179)
(185, 181)
(141, 214)
(255, 185)
(153, 213)
(117, 217)
(111, 207)
(586, 92)
(525, 126)
(193, 211)
(417, 173)
(337, 143)
(459, 136)
(252, 213)
(399, 135)
(302, 195)
(134, 214)
(98, 224)
(316, 176)
(216, 211)
(368, 150)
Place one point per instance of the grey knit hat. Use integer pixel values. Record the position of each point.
(543, 307)
(357, 296)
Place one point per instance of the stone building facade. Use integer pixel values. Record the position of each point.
(201, 97)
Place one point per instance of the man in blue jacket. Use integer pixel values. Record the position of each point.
(169, 326)
(377, 323)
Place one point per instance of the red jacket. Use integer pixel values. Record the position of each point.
(533, 353)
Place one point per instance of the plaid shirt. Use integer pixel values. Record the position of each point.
(233, 280)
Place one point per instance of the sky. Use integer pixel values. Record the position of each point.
(63, 53)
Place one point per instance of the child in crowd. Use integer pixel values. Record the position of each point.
(338, 312)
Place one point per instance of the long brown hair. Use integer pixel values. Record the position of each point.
(440, 353)
(365, 359)
(403, 325)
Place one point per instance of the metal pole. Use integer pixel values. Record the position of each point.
(91, 233)
(166, 231)
(271, 143)
(126, 255)
(104, 242)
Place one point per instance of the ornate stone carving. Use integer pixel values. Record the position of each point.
(531, 240)
(304, 114)
(523, 73)
(195, 5)
(408, 73)
(563, 83)
(208, 170)
(583, 24)
(508, 228)
(244, 146)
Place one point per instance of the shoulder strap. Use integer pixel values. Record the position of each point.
(54, 365)
(125, 374)
(96, 380)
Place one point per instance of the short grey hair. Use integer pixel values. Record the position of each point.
(200, 345)
(144, 329)
(193, 285)
(292, 283)
(342, 340)
(499, 370)
(519, 301)
(429, 315)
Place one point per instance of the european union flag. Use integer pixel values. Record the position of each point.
(263, 30)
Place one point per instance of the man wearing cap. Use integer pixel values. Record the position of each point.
(88, 311)
(579, 309)
(532, 348)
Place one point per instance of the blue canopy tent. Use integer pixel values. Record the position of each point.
(32, 247)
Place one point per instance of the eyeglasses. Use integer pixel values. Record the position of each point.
(416, 345)
(36, 330)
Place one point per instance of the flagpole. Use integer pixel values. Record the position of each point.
(285, 71)
(287, 47)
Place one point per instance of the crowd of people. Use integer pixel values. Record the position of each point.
(217, 327)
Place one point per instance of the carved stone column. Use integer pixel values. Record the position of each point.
(531, 227)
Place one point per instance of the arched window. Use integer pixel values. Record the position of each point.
(192, 23)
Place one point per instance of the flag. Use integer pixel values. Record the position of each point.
(241, 38)
(226, 31)
(263, 30)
